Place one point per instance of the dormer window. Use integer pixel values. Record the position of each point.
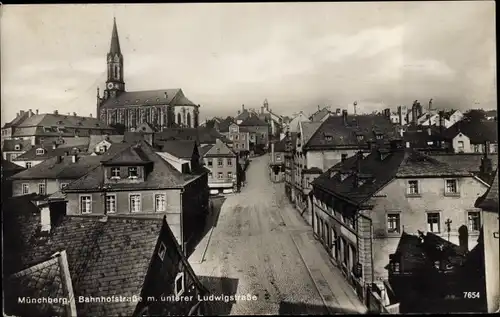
(115, 172)
(40, 151)
(360, 137)
(103, 148)
(47, 129)
(17, 147)
(343, 176)
(59, 122)
(132, 172)
(333, 173)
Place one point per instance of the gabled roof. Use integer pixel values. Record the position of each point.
(294, 123)
(162, 175)
(219, 149)
(243, 115)
(66, 169)
(47, 279)
(252, 121)
(18, 119)
(489, 201)
(477, 131)
(68, 141)
(204, 149)
(398, 163)
(10, 145)
(146, 127)
(179, 148)
(308, 129)
(346, 133)
(203, 135)
(319, 114)
(148, 98)
(61, 120)
(49, 152)
(96, 139)
(225, 123)
(420, 138)
(8, 166)
(466, 161)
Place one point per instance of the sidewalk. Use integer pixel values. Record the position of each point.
(333, 288)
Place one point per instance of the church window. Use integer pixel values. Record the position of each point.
(179, 118)
(116, 71)
(188, 119)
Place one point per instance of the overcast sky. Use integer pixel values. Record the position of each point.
(297, 55)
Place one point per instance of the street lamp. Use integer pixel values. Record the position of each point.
(448, 228)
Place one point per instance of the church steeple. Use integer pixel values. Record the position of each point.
(115, 83)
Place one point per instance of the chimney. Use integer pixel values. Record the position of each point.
(36, 111)
(59, 159)
(21, 112)
(30, 113)
(56, 112)
(486, 167)
(90, 115)
(239, 112)
(166, 95)
(429, 130)
(262, 110)
(45, 219)
(319, 108)
(344, 116)
(242, 107)
(74, 114)
(74, 158)
(54, 145)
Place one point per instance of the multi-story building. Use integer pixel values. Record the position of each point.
(53, 174)
(222, 164)
(39, 153)
(403, 115)
(277, 161)
(239, 136)
(291, 142)
(293, 125)
(471, 136)
(182, 154)
(11, 149)
(100, 144)
(70, 252)
(162, 108)
(134, 181)
(490, 243)
(48, 127)
(320, 115)
(364, 204)
(8, 170)
(258, 131)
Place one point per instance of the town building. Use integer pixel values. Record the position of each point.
(259, 133)
(9, 169)
(489, 205)
(161, 108)
(363, 204)
(124, 259)
(403, 115)
(428, 274)
(222, 163)
(100, 144)
(274, 120)
(320, 115)
(203, 136)
(11, 149)
(491, 115)
(182, 154)
(427, 139)
(133, 181)
(472, 162)
(293, 125)
(470, 136)
(291, 143)
(277, 161)
(39, 153)
(48, 127)
(53, 174)
(243, 114)
(240, 138)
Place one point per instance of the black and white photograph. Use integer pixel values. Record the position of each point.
(288, 158)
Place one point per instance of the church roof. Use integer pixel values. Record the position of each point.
(148, 98)
(115, 41)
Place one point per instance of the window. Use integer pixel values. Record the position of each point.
(103, 148)
(474, 220)
(220, 162)
(379, 136)
(132, 172)
(278, 157)
(29, 164)
(86, 204)
(220, 175)
(40, 151)
(17, 147)
(41, 189)
(115, 172)
(110, 204)
(209, 163)
(210, 175)
(460, 147)
(135, 203)
(229, 175)
(236, 137)
(179, 284)
(160, 202)
(413, 188)
(243, 137)
(477, 148)
(393, 223)
(162, 250)
(494, 148)
(433, 222)
(451, 186)
(360, 137)
(25, 188)
(63, 185)
(229, 162)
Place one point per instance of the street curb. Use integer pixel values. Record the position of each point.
(206, 246)
(312, 278)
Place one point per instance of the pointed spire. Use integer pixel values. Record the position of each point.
(115, 42)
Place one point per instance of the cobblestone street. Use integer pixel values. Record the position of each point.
(261, 246)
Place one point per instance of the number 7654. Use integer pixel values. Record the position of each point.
(471, 294)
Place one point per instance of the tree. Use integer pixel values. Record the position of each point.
(475, 115)
(119, 127)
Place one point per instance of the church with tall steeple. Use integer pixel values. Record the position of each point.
(162, 108)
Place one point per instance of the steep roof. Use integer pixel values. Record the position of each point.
(204, 149)
(398, 163)
(466, 161)
(10, 145)
(252, 121)
(115, 41)
(489, 201)
(294, 123)
(225, 123)
(280, 146)
(346, 133)
(162, 174)
(243, 115)
(96, 139)
(8, 166)
(219, 149)
(319, 114)
(148, 98)
(61, 120)
(308, 129)
(477, 131)
(17, 120)
(179, 148)
(66, 169)
(49, 152)
(203, 135)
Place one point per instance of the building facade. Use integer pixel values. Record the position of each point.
(240, 138)
(222, 164)
(161, 108)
